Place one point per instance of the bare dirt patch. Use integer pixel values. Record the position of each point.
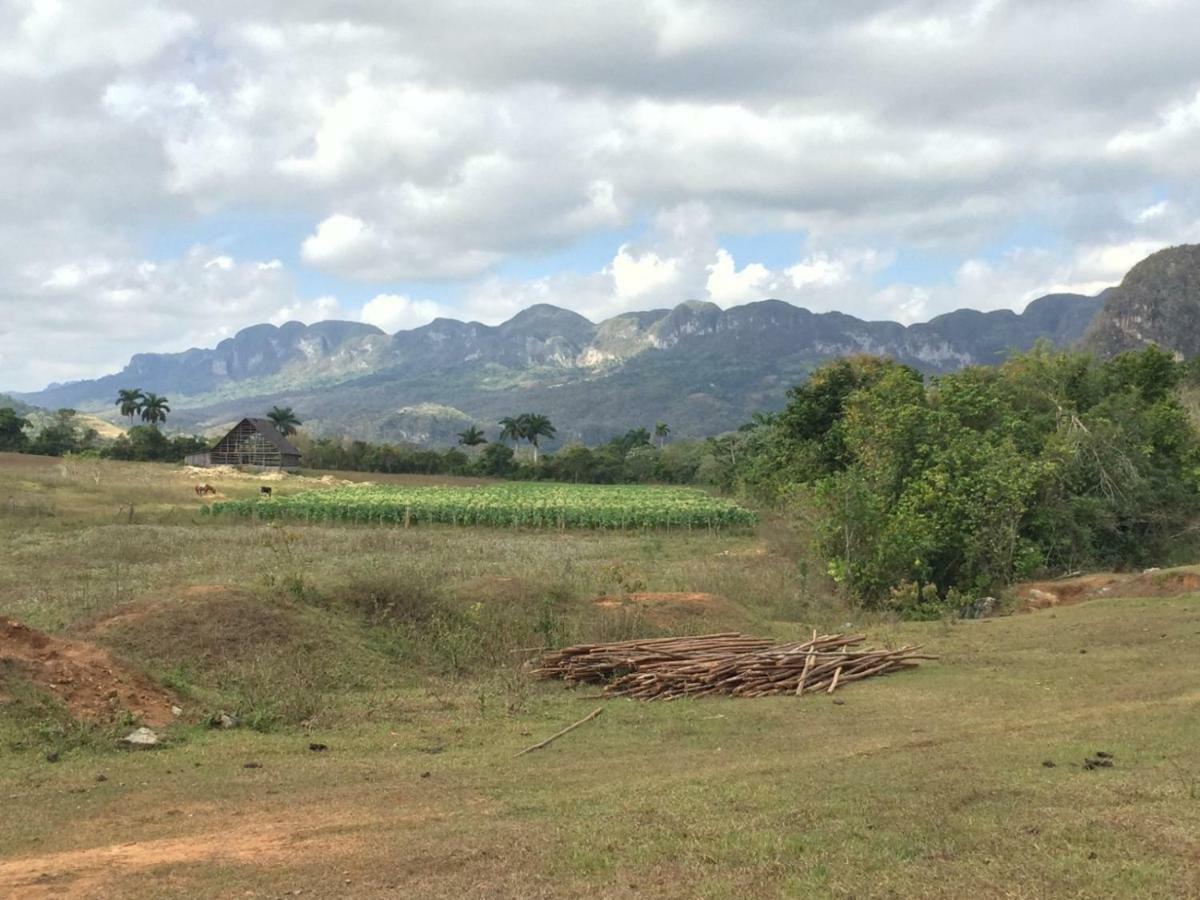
(258, 842)
(1036, 595)
(88, 680)
(667, 609)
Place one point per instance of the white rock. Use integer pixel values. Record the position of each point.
(141, 737)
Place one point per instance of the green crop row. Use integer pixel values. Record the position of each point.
(508, 505)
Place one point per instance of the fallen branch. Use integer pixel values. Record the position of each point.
(554, 737)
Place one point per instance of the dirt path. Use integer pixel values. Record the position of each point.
(264, 841)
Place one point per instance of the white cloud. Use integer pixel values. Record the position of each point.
(818, 270)
(636, 276)
(728, 285)
(394, 312)
(1152, 212)
(135, 305)
(50, 37)
(401, 142)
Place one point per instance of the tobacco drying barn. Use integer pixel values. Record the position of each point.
(251, 442)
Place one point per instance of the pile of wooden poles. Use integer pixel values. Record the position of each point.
(729, 663)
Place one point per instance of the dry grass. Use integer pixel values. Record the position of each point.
(928, 783)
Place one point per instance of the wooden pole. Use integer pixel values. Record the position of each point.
(554, 737)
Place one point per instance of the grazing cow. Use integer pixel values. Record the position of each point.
(202, 489)
(264, 493)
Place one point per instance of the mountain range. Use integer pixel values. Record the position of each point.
(697, 367)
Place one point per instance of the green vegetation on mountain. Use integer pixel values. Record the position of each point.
(1158, 302)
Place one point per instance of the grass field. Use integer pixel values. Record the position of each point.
(392, 647)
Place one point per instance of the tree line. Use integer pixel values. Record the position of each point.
(629, 458)
(922, 493)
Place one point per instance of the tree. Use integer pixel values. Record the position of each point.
(154, 409)
(62, 435)
(496, 459)
(511, 429)
(12, 430)
(534, 427)
(472, 437)
(284, 420)
(130, 400)
(661, 430)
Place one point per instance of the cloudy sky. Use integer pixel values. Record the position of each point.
(173, 171)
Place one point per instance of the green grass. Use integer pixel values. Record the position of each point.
(927, 783)
(533, 505)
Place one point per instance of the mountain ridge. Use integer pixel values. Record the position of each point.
(475, 369)
(698, 367)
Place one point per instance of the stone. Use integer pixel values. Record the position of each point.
(983, 608)
(141, 737)
(177, 711)
(224, 720)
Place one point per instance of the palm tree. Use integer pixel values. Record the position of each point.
(511, 429)
(130, 401)
(534, 427)
(661, 430)
(284, 420)
(154, 408)
(472, 437)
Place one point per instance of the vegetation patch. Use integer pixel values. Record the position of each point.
(265, 658)
(521, 505)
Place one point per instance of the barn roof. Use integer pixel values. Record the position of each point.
(267, 429)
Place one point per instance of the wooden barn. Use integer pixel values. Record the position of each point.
(251, 442)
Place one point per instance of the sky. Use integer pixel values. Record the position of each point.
(171, 172)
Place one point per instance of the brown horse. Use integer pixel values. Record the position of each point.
(202, 489)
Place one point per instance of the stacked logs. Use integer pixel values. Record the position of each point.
(729, 663)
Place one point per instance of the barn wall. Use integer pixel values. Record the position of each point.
(245, 446)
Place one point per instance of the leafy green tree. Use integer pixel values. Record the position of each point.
(661, 430)
(12, 431)
(154, 409)
(130, 401)
(284, 419)
(575, 463)
(920, 492)
(62, 435)
(472, 436)
(641, 464)
(496, 460)
(143, 443)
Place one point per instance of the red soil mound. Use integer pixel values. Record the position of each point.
(1066, 591)
(91, 684)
